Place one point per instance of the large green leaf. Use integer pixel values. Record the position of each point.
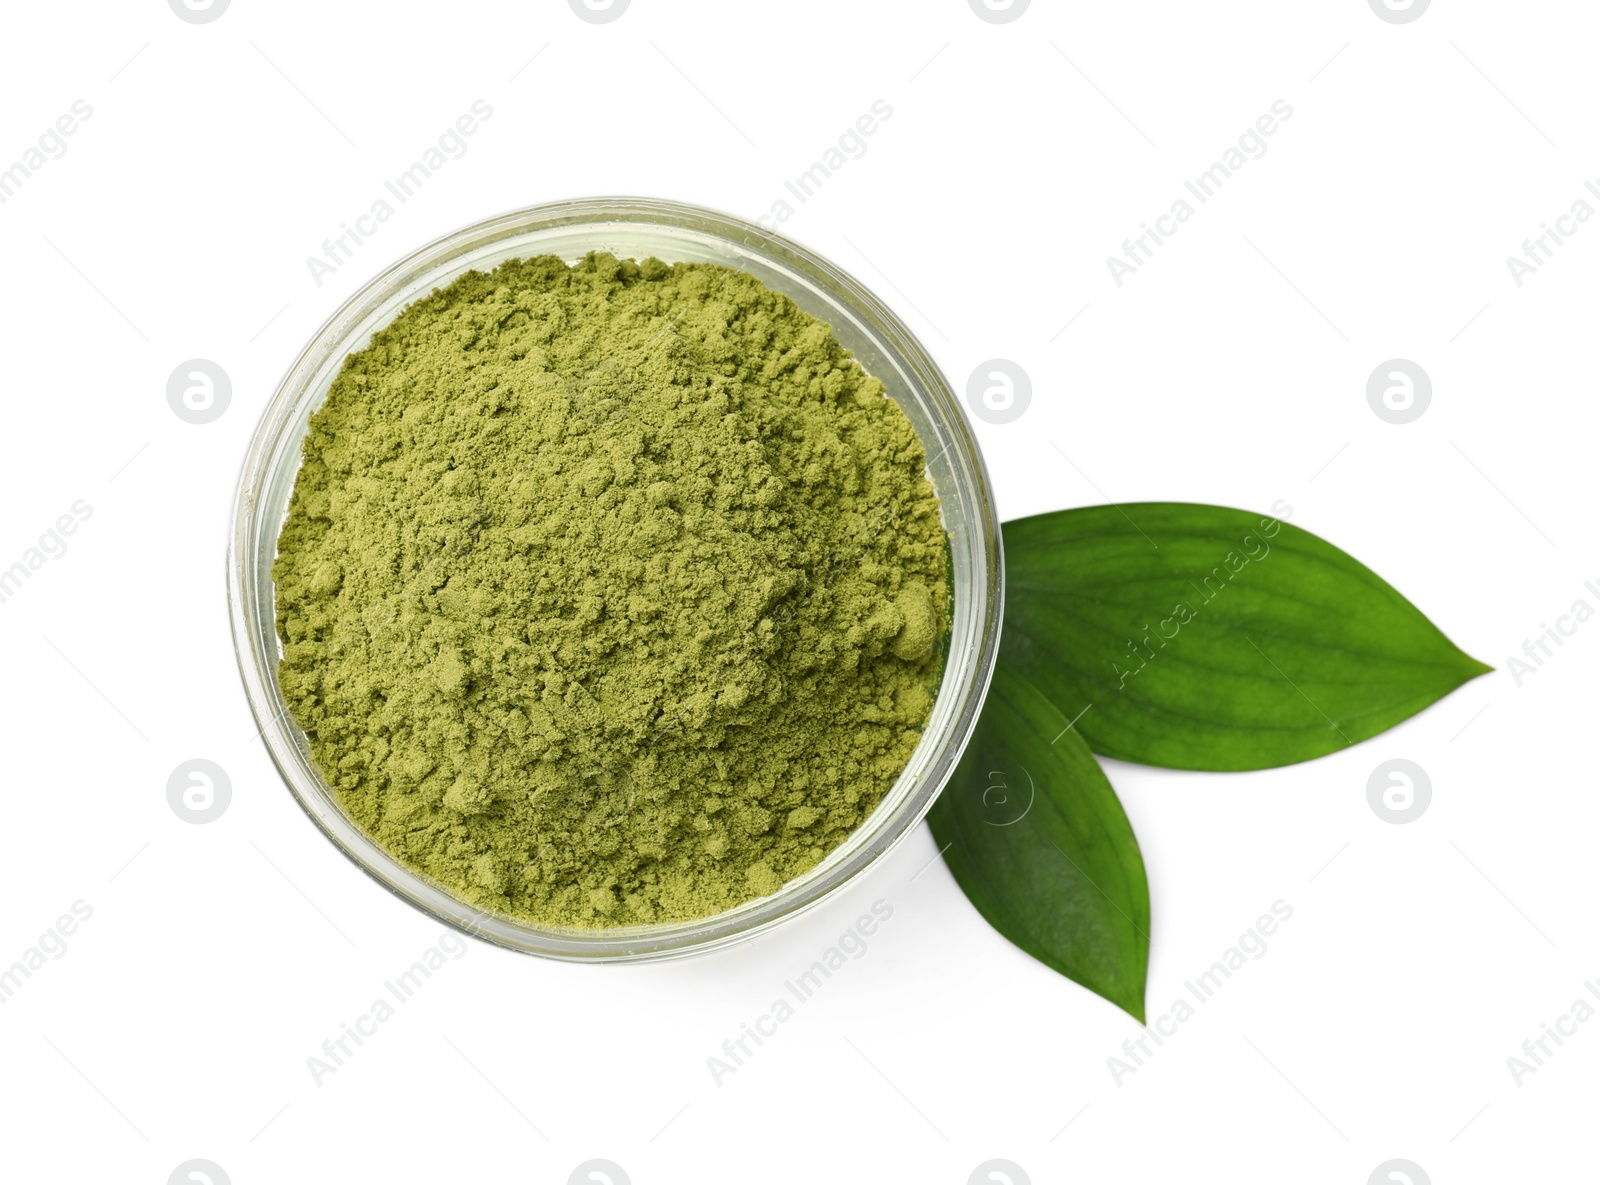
(1039, 844)
(1200, 637)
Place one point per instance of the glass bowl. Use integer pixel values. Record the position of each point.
(674, 232)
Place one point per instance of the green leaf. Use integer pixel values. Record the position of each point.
(1200, 637)
(1039, 844)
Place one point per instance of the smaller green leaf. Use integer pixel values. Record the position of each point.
(1036, 838)
(1200, 637)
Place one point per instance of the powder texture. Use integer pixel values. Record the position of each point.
(612, 593)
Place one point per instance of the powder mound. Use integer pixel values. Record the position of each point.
(611, 593)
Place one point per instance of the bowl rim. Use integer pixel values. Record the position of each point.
(656, 940)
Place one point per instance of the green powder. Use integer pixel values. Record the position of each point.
(612, 593)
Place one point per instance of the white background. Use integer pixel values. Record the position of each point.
(1230, 369)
